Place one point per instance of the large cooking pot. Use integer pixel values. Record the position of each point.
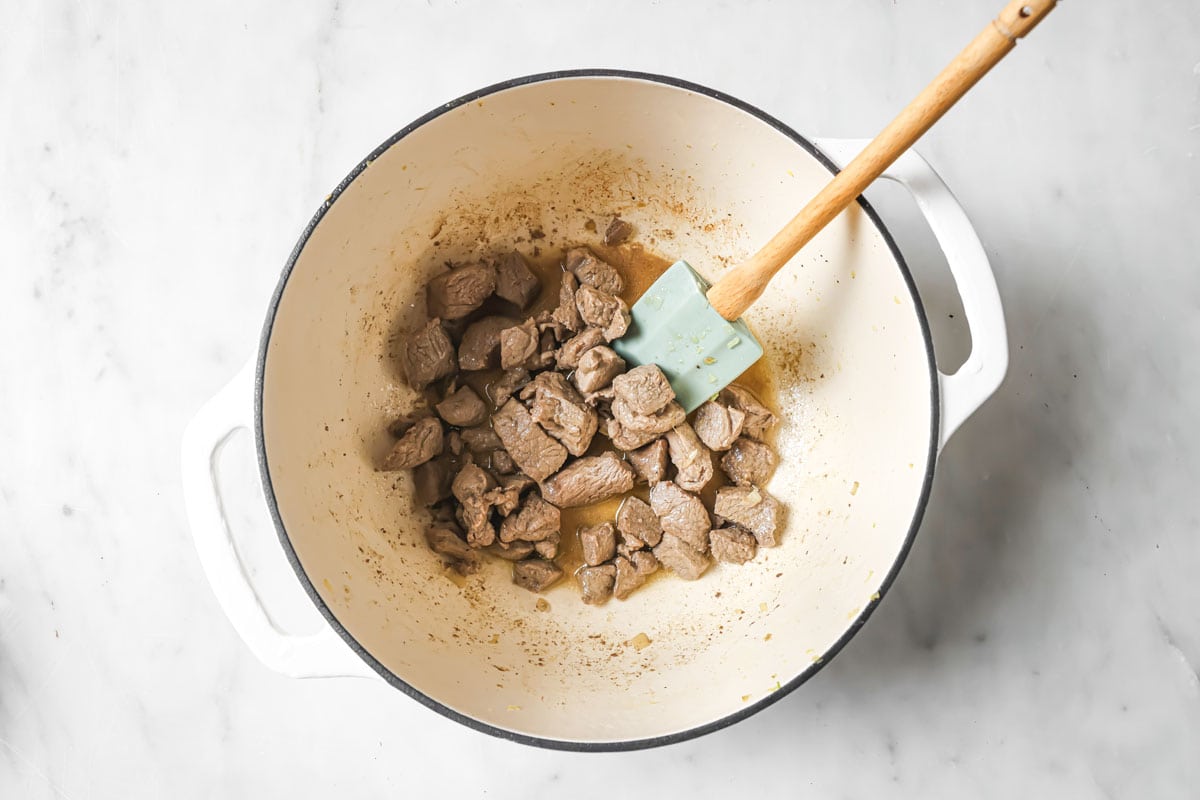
(702, 175)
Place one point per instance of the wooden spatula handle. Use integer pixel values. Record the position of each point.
(741, 286)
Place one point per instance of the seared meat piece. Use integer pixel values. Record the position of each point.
(644, 562)
(681, 558)
(535, 521)
(480, 346)
(431, 480)
(597, 583)
(617, 231)
(593, 272)
(454, 443)
(574, 348)
(753, 509)
(567, 313)
(602, 310)
(628, 577)
(520, 345)
(547, 323)
(644, 389)
(506, 497)
(650, 462)
(421, 442)
(535, 574)
(759, 419)
(597, 367)
(513, 551)
(600, 399)
(548, 547)
(428, 354)
(535, 452)
(470, 488)
(514, 282)
(732, 545)
(454, 294)
(463, 408)
(718, 426)
(588, 480)
(625, 438)
(558, 408)
(657, 422)
(480, 439)
(445, 540)
(507, 385)
(693, 461)
(638, 524)
(599, 543)
(749, 461)
(502, 462)
(680, 513)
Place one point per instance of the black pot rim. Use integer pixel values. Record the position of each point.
(564, 744)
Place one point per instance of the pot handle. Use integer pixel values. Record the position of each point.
(318, 655)
(981, 374)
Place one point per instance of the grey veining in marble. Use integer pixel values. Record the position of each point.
(157, 161)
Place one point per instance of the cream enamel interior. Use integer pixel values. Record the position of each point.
(706, 181)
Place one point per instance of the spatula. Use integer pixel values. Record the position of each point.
(694, 331)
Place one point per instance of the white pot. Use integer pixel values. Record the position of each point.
(709, 178)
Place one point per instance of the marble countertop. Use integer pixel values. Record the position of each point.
(157, 162)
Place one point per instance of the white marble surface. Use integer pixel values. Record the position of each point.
(157, 161)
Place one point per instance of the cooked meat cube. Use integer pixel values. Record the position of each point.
(625, 438)
(599, 543)
(548, 548)
(421, 442)
(650, 462)
(628, 578)
(446, 542)
(513, 551)
(454, 443)
(480, 439)
(574, 348)
(558, 408)
(732, 545)
(644, 389)
(502, 462)
(600, 399)
(536, 520)
(514, 282)
(602, 310)
(519, 345)
(597, 583)
(617, 231)
(593, 272)
(470, 488)
(534, 451)
(759, 419)
(428, 354)
(681, 558)
(567, 313)
(636, 521)
(644, 562)
(753, 509)
(431, 480)
(589, 480)
(718, 426)
(547, 323)
(505, 498)
(507, 385)
(749, 461)
(693, 461)
(597, 367)
(480, 346)
(536, 574)
(680, 513)
(657, 422)
(454, 294)
(463, 408)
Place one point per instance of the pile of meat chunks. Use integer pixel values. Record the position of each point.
(495, 470)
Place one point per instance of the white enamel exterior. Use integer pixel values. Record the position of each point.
(842, 331)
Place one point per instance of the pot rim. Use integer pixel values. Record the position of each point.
(567, 744)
